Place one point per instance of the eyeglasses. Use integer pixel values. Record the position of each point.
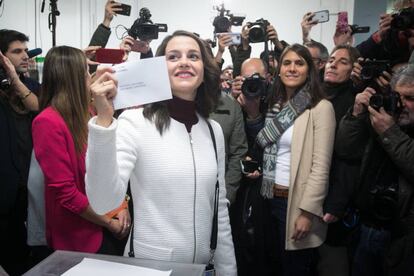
(316, 60)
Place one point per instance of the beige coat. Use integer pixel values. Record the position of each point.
(311, 151)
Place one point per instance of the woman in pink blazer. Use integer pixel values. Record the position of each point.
(59, 140)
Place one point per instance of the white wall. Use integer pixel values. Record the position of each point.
(79, 18)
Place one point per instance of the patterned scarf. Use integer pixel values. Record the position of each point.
(276, 124)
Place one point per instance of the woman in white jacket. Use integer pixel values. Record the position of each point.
(166, 151)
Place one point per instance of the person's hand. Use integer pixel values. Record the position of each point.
(236, 86)
(356, 72)
(343, 38)
(384, 79)
(245, 37)
(9, 68)
(90, 52)
(380, 120)
(307, 24)
(329, 218)
(114, 227)
(384, 25)
(124, 219)
(126, 45)
(103, 91)
(250, 105)
(302, 226)
(272, 34)
(110, 8)
(362, 101)
(224, 40)
(254, 175)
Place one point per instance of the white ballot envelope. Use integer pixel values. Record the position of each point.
(142, 81)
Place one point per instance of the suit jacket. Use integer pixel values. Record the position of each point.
(65, 197)
(311, 152)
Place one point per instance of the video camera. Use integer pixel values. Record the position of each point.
(4, 79)
(258, 30)
(404, 19)
(225, 20)
(254, 86)
(144, 29)
(356, 29)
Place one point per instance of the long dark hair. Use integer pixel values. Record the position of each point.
(64, 88)
(279, 93)
(207, 93)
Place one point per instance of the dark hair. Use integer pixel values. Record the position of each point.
(8, 36)
(312, 80)
(352, 52)
(207, 93)
(64, 88)
(323, 52)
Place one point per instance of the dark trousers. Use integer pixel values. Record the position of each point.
(291, 262)
(14, 252)
(370, 251)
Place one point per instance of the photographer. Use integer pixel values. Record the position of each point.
(243, 51)
(18, 103)
(382, 139)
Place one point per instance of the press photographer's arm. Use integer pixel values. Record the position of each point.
(17, 87)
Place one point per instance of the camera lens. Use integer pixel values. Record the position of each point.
(257, 34)
(254, 86)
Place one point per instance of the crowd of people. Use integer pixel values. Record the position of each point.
(297, 162)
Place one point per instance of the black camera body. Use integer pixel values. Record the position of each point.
(388, 99)
(4, 79)
(144, 29)
(356, 29)
(404, 19)
(372, 69)
(224, 20)
(384, 202)
(258, 30)
(254, 86)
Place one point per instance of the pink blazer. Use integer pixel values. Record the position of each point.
(65, 196)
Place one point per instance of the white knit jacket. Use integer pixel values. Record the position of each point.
(172, 178)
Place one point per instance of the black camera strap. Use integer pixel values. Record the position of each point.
(214, 228)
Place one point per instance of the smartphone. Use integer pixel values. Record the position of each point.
(235, 37)
(321, 16)
(126, 9)
(105, 55)
(342, 23)
(249, 166)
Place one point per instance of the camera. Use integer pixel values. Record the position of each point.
(404, 19)
(372, 69)
(249, 166)
(387, 99)
(4, 79)
(225, 20)
(144, 29)
(258, 30)
(254, 86)
(356, 29)
(384, 202)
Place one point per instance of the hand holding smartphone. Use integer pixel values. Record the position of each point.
(235, 38)
(342, 23)
(113, 56)
(250, 166)
(124, 9)
(320, 16)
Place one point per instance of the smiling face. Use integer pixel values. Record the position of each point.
(293, 71)
(339, 67)
(185, 66)
(17, 53)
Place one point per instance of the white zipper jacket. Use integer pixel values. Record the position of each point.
(172, 178)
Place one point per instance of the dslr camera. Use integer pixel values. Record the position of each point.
(224, 20)
(384, 202)
(4, 79)
(144, 29)
(372, 69)
(404, 19)
(254, 86)
(258, 30)
(388, 99)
